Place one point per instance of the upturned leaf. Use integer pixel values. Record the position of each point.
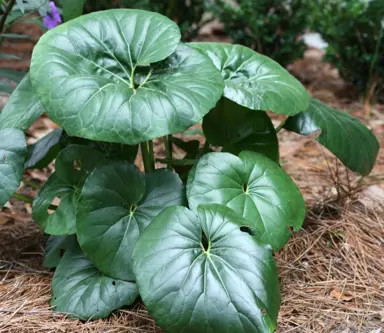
(255, 187)
(203, 274)
(73, 165)
(81, 290)
(344, 135)
(127, 74)
(13, 149)
(23, 107)
(255, 81)
(241, 129)
(44, 151)
(117, 203)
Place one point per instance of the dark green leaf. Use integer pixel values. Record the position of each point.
(44, 151)
(345, 136)
(202, 274)
(81, 290)
(127, 74)
(72, 8)
(255, 81)
(117, 204)
(23, 107)
(241, 129)
(13, 149)
(55, 247)
(73, 165)
(114, 151)
(190, 147)
(255, 187)
(62, 220)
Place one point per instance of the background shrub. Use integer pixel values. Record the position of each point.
(271, 27)
(187, 14)
(354, 31)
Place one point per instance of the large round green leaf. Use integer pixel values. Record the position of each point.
(13, 149)
(202, 274)
(82, 291)
(23, 107)
(345, 136)
(122, 76)
(73, 165)
(255, 187)
(117, 204)
(241, 129)
(255, 81)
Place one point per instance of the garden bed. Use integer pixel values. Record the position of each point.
(331, 272)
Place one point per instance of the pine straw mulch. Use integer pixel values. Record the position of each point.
(331, 279)
(331, 272)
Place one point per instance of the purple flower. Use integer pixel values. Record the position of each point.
(52, 19)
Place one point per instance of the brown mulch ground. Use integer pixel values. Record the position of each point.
(331, 272)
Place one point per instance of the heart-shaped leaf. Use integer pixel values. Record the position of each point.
(241, 129)
(13, 149)
(344, 135)
(55, 247)
(82, 291)
(44, 151)
(255, 187)
(127, 74)
(23, 107)
(73, 165)
(255, 81)
(117, 204)
(201, 274)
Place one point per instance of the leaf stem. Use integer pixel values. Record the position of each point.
(22, 197)
(26, 199)
(151, 155)
(280, 127)
(168, 149)
(31, 183)
(146, 78)
(206, 146)
(148, 157)
(8, 9)
(131, 79)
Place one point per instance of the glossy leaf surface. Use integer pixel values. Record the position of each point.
(255, 187)
(82, 291)
(127, 74)
(23, 107)
(73, 166)
(117, 204)
(237, 128)
(344, 135)
(256, 81)
(13, 149)
(202, 274)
